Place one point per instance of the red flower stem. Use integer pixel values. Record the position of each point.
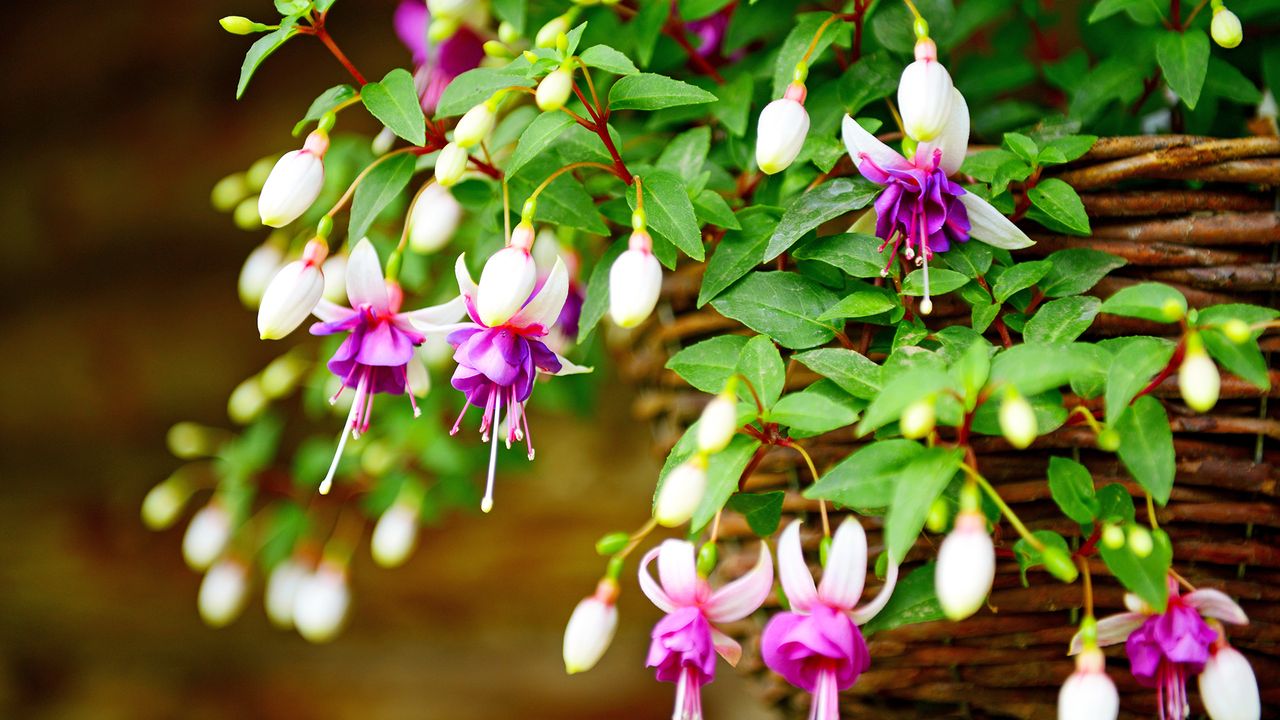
(1174, 363)
(675, 30)
(317, 28)
(602, 129)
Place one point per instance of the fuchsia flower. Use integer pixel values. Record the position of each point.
(817, 646)
(1164, 648)
(375, 356)
(685, 643)
(436, 65)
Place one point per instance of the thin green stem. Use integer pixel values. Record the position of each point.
(1007, 511)
(351, 189)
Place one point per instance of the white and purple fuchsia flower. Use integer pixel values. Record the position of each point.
(685, 644)
(437, 64)
(817, 646)
(375, 356)
(1164, 648)
(922, 211)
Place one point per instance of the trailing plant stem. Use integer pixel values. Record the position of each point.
(1007, 511)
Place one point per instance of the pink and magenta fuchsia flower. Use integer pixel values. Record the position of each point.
(436, 65)
(922, 211)
(375, 356)
(498, 364)
(1164, 648)
(685, 643)
(817, 647)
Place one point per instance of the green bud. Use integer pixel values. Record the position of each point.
(324, 227)
(496, 49)
(327, 121)
(228, 192)
(1113, 537)
(939, 516)
(258, 172)
(882, 565)
(824, 548)
(1089, 631)
(530, 56)
(507, 33)
(1109, 440)
(246, 215)
(909, 145)
(707, 558)
(1059, 564)
(442, 29)
(164, 502)
(238, 25)
(1237, 330)
(1140, 541)
(1226, 28)
(921, 28)
(638, 220)
(614, 569)
(1172, 310)
(801, 73)
(188, 440)
(281, 375)
(247, 401)
(918, 419)
(528, 210)
(612, 543)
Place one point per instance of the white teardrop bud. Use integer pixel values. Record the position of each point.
(1226, 31)
(223, 592)
(924, 94)
(635, 282)
(553, 92)
(1228, 686)
(1018, 420)
(320, 608)
(475, 125)
(783, 126)
(282, 592)
(681, 493)
(434, 219)
(395, 535)
(293, 293)
(1088, 694)
(718, 424)
(259, 268)
(1198, 379)
(918, 419)
(590, 629)
(966, 567)
(294, 183)
(451, 163)
(335, 279)
(207, 536)
(506, 282)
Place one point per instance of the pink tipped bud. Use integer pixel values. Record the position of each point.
(294, 183)
(1226, 31)
(451, 163)
(1198, 378)
(320, 608)
(475, 125)
(223, 592)
(434, 219)
(505, 284)
(784, 123)
(282, 592)
(256, 273)
(718, 423)
(1228, 686)
(635, 281)
(966, 566)
(1088, 694)
(924, 99)
(681, 492)
(1017, 420)
(553, 92)
(207, 536)
(591, 628)
(293, 293)
(395, 534)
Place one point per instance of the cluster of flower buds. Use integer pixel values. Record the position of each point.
(635, 279)
(783, 126)
(1198, 377)
(1225, 26)
(684, 486)
(295, 182)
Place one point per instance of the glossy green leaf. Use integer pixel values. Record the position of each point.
(394, 101)
(738, 252)
(327, 100)
(609, 60)
(1062, 320)
(596, 302)
(1061, 204)
(1149, 301)
(914, 600)
(867, 478)
(921, 481)
(1146, 446)
(941, 281)
(1076, 270)
(829, 200)
(262, 48)
(476, 86)
(899, 392)
(708, 364)
(1184, 58)
(761, 364)
(763, 511)
(543, 131)
(782, 305)
(670, 212)
(819, 408)
(384, 183)
(1133, 368)
(854, 253)
(1071, 485)
(851, 370)
(1148, 577)
(647, 91)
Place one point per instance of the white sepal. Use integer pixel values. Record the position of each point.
(395, 534)
(207, 536)
(223, 592)
(681, 493)
(505, 284)
(434, 219)
(989, 225)
(294, 183)
(320, 607)
(293, 293)
(781, 132)
(966, 567)
(255, 275)
(1229, 688)
(282, 592)
(953, 141)
(635, 281)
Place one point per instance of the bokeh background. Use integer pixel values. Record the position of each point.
(120, 318)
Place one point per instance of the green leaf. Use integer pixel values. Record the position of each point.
(1022, 146)
(763, 511)
(543, 131)
(829, 200)
(782, 305)
(941, 281)
(971, 258)
(1132, 369)
(394, 101)
(761, 364)
(475, 86)
(686, 153)
(1146, 446)
(711, 207)
(796, 43)
(921, 482)
(1224, 80)
(871, 78)
(1106, 8)
(647, 91)
(1061, 204)
(1184, 59)
(1150, 301)
(903, 390)
(1243, 359)
(914, 600)
(647, 27)
(819, 408)
(738, 252)
(380, 187)
(609, 60)
(1148, 577)
(1115, 504)
(1076, 270)
(1029, 557)
(708, 364)
(734, 108)
(1070, 147)
(1019, 277)
(867, 478)
(513, 12)
(851, 370)
(262, 48)
(328, 100)
(596, 303)
(1034, 369)
(862, 302)
(1062, 320)
(564, 202)
(669, 212)
(854, 253)
(724, 469)
(1072, 489)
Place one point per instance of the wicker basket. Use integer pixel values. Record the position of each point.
(1216, 243)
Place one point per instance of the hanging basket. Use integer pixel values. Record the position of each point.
(1199, 214)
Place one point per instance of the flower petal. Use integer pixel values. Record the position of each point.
(743, 596)
(365, 283)
(331, 312)
(846, 569)
(954, 139)
(1216, 604)
(678, 571)
(1111, 630)
(650, 587)
(569, 368)
(438, 318)
(466, 286)
(990, 226)
(793, 572)
(727, 647)
(860, 142)
(864, 614)
(545, 306)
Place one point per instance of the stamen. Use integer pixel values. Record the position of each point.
(348, 428)
(458, 423)
(486, 504)
(926, 305)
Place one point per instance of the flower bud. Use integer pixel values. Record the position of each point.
(1198, 377)
(1226, 31)
(282, 592)
(293, 293)
(591, 628)
(966, 566)
(612, 543)
(681, 492)
(1173, 310)
(1237, 330)
(475, 125)
(320, 607)
(1113, 537)
(228, 192)
(223, 592)
(939, 515)
(924, 94)
(1109, 440)
(635, 281)
(1088, 694)
(1140, 541)
(1228, 686)
(918, 419)
(417, 378)
(553, 91)
(395, 534)
(780, 134)
(255, 275)
(548, 33)
(207, 536)
(1017, 420)
(245, 216)
(383, 141)
(505, 284)
(188, 440)
(451, 163)
(1059, 563)
(294, 183)
(240, 25)
(434, 219)
(247, 401)
(442, 28)
(718, 423)
(281, 375)
(507, 33)
(456, 9)
(164, 502)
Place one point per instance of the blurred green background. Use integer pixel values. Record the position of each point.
(121, 318)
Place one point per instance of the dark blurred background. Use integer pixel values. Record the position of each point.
(121, 318)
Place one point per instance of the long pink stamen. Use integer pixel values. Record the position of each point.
(688, 696)
(826, 699)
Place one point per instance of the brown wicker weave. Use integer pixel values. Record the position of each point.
(1216, 240)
